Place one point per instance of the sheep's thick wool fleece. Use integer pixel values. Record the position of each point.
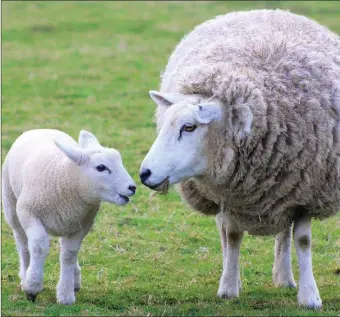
(283, 69)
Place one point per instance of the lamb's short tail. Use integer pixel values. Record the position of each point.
(8, 199)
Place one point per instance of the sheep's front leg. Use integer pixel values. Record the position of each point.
(308, 294)
(38, 245)
(282, 268)
(69, 268)
(231, 238)
(221, 223)
(77, 277)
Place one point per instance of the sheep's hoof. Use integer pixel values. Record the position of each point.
(77, 289)
(31, 297)
(287, 284)
(227, 296)
(227, 293)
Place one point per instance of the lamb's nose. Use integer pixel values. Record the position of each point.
(144, 175)
(132, 188)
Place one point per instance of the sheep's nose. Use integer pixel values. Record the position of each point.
(132, 188)
(144, 175)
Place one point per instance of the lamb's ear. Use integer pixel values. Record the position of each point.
(165, 99)
(207, 112)
(72, 152)
(87, 140)
(241, 120)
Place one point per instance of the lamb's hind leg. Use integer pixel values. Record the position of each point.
(24, 257)
(308, 294)
(9, 206)
(282, 268)
(231, 238)
(38, 245)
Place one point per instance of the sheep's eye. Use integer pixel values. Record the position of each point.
(189, 128)
(101, 168)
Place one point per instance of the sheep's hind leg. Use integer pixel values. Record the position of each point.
(308, 295)
(231, 238)
(282, 268)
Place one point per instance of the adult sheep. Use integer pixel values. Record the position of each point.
(53, 185)
(248, 124)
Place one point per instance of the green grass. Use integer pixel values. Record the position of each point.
(87, 65)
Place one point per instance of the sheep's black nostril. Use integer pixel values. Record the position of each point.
(132, 188)
(144, 175)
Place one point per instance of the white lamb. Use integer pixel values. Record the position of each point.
(53, 186)
(249, 126)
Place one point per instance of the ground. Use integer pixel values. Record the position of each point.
(90, 65)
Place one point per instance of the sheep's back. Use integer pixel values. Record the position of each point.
(255, 39)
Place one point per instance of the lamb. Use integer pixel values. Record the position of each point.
(51, 185)
(248, 123)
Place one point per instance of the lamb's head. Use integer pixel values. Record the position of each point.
(179, 150)
(105, 174)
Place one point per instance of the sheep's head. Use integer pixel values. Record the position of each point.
(178, 152)
(105, 174)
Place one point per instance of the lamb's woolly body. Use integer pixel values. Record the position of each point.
(284, 69)
(41, 169)
(53, 185)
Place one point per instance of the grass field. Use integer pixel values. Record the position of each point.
(87, 65)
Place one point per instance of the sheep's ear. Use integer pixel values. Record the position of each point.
(241, 121)
(72, 152)
(165, 99)
(87, 140)
(205, 113)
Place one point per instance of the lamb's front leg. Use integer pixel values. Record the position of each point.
(308, 294)
(70, 278)
(231, 238)
(69, 268)
(282, 268)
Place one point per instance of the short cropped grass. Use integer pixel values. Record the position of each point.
(90, 65)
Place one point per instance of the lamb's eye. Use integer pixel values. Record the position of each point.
(189, 128)
(101, 168)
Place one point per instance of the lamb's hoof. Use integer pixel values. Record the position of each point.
(77, 288)
(313, 302)
(31, 297)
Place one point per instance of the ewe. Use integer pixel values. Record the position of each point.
(249, 124)
(52, 185)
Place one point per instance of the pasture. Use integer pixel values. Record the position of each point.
(90, 65)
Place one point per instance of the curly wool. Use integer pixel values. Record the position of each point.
(283, 70)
